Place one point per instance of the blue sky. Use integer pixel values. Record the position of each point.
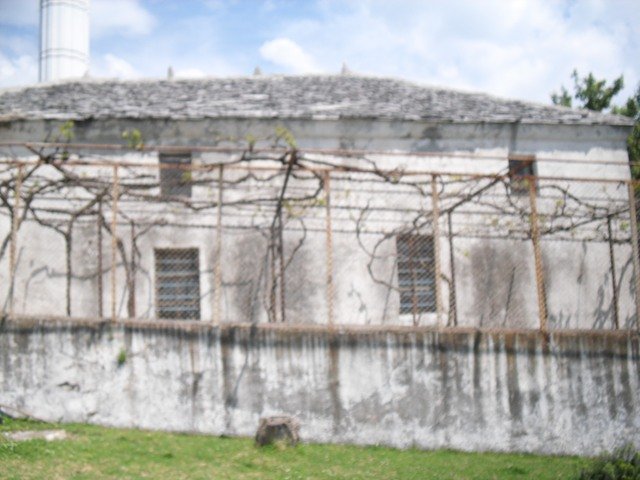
(513, 48)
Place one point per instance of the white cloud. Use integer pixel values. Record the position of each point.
(516, 48)
(519, 48)
(288, 54)
(118, 67)
(18, 45)
(17, 70)
(120, 17)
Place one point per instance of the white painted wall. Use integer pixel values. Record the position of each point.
(495, 278)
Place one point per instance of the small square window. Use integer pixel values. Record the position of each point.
(175, 175)
(416, 273)
(522, 170)
(178, 283)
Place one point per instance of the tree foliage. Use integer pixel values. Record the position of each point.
(563, 98)
(593, 94)
(632, 109)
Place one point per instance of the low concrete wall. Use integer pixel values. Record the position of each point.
(573, 392)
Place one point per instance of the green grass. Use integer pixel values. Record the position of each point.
(95, 452)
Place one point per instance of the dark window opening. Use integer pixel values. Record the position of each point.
(175, 175)
(416, 273)
(178, 283)
(522, 171)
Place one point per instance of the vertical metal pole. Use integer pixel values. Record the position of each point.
(114, 240)
(453, 312)
(634, 246)
(273, 308)
(612, 266)
(217, 292)
(414, 279)
(15, 225)
(68, 240)
(329, 230)
(100, 266)
(436, 246)
(131, 306)
(535, 238)
(281, 255)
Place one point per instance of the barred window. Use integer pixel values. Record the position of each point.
(178, 283)
(175, 175)
(416, 273)
(522, 169)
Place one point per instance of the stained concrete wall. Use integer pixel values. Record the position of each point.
(570, 393)
(349, 133)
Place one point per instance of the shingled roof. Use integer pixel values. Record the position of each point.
(305, 97)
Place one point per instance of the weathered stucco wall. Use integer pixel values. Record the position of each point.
(350, 133)
(494, 277)
(573, 392)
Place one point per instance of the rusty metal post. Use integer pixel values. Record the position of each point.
(282, 267)
(612, 268)
(535, 238)
(329, 243)
(273, 309)
(217, 289)
(100, 266)
(131, 304)
(436, 246)
(453, 312)
(15, 225)
(114, 240)
(634, 246)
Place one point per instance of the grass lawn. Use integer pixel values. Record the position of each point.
(95, 453)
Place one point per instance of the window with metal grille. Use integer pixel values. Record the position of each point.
(522, 170)
(175, 175)
(178, 283)
(416, 273)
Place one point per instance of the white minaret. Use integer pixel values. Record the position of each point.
(64, 39)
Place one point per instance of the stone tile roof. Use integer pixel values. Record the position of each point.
(310, 97)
